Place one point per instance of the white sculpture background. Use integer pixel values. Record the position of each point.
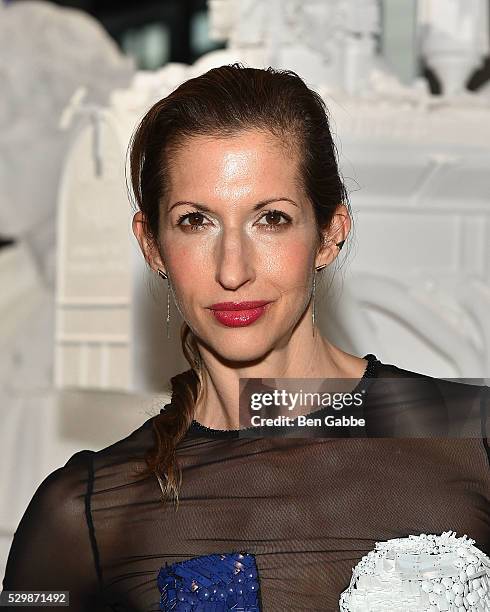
(39, 71)
(332, 43)
(454, 39)
(403, 144)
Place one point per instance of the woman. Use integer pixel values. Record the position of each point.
(240, 200)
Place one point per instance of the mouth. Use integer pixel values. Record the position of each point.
(238, 314)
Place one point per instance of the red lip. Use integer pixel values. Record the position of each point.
(238, 314)
(222, 306)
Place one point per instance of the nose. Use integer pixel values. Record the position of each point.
(234, 255)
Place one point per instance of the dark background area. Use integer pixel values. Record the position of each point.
(182, 25)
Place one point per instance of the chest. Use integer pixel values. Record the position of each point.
(308, 511)
(352, 489)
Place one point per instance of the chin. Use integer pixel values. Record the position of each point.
(240, 345)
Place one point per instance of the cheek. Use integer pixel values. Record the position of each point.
(290, 265)
(189, 276)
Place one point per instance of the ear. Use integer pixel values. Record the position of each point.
(147, 245)
(337, 232)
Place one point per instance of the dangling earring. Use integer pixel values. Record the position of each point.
(339, 245)
(313, 296)
(313, 309)
(163, 275)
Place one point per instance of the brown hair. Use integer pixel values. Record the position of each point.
(223, 102)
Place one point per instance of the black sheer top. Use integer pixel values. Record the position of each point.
(305, 509)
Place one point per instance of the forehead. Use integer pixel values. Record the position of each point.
(248, 162)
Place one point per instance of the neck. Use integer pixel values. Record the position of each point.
(302, 355)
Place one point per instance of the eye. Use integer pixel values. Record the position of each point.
(274, 216)
(194, 221)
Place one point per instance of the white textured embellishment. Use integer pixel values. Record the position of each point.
(420, 573)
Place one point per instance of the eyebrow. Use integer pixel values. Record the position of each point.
(257, 206)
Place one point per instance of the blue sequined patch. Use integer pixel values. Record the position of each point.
(210, 583)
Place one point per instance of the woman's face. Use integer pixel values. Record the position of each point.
(236, 227)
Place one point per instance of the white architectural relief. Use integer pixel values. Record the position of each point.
(40, 68)
(220, 19)
(333, 43)
(40, 72)
(454, 38)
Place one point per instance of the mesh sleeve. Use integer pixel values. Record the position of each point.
(53, 546)
(485, 420)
